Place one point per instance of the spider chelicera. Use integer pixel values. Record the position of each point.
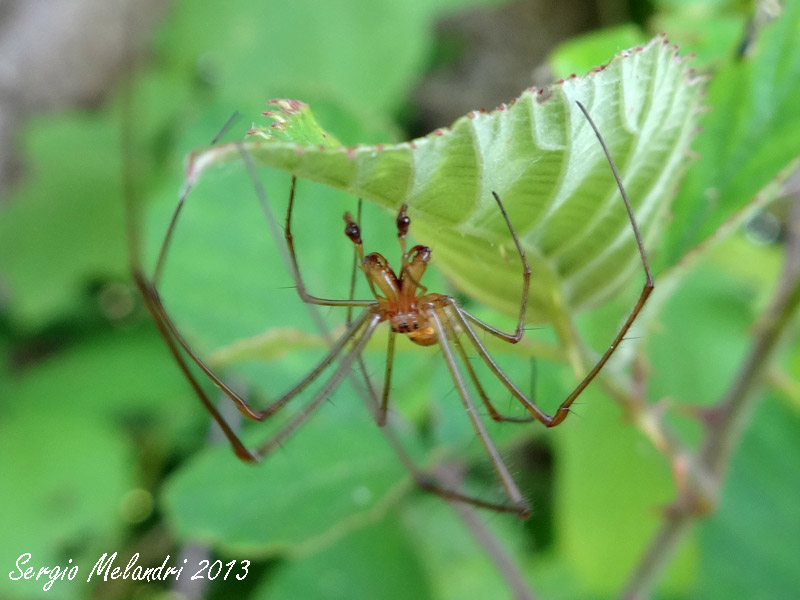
(426, 318)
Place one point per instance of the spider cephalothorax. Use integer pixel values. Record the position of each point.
(401, 298)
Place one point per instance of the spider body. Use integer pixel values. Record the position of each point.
(400, 299)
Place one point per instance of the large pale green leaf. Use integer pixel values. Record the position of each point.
(540, 155)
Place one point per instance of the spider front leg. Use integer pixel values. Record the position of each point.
(464, 318)
(298, 279)
(515, 337)
(155, 309)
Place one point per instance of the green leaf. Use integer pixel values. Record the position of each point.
(579, 54)
(64, 477)
(456, 564)
(610, 490)
(62, 228)
(751, 134)
(67, 449)
(710, 35)
(358, 567)
(751, 544)
(104, 377)
(540, 155)
(292, 121)
(334, 51)
(336, 475)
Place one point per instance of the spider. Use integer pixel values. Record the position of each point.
(426, 318)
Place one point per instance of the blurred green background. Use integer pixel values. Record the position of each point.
(103, 446)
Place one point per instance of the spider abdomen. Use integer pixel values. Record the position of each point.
(415, 326)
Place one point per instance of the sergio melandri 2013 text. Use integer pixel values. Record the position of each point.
(105, 569)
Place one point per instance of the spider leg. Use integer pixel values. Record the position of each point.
(244, 407)
(322, 395)
(162, 254)
(298, 279)
(152, 302)
(429, 483)
(563, 410)
(156, 312)
(462, 317)
(493, 413)
(426, 481)
(518, 502)
(515, 337)
(387, 381)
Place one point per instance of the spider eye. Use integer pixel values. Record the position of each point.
(403, 221)
(416, 325)
(352, 229)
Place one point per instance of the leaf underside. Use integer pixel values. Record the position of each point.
(542, 158)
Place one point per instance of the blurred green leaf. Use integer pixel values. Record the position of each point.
(67, 447)
(455, 565)
(708, 316)
(751, 543)
(751, 134)
(606, 521)
(334, 476)
(65, 473)
(62, 228)
(377, 561)
(580, 54)
(251, 54)
(711, 37)
(611, 487)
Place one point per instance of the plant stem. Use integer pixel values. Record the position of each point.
(728, 420)
(738, 403)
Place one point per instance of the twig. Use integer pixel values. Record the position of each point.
(727, 420)
(736, 406)
(450, 474)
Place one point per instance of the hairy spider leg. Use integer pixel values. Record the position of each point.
(381, 284)
(465, 318)
(175, 341)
